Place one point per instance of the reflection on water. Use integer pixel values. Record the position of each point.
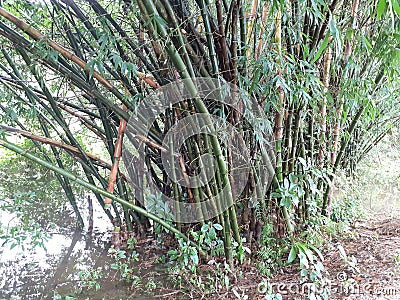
(34, 208)
(39, 273)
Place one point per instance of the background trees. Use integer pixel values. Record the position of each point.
(325, 76)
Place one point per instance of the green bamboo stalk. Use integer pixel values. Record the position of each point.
(296, 133)
(180, 65)
(64, 68)
(181, 43)
(323, 125)
(56, 114)
(36, 35)
(287, 139)
(91, 187)
(279, 117)
(147, 59)
(204, 5)
(327, 199)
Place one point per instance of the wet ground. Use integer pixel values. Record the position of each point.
(41, 251)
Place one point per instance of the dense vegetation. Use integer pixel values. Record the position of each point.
(324, 76)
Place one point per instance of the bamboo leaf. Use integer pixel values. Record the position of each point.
(396, 6)
(292, 254)
(380, 8)
(90, 67)
(217, 226)
(367, 43)
(391, 12)
(316, 250)
(276, 195)
(322, 48)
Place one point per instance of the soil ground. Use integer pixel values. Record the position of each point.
(372, 244)
(372, 270)
(373, 267)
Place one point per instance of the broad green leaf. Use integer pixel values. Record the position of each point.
(292, 254)
(332, 27)
(218, 227)
(303, 260)
(194, 257)
(292, 177)
(276, 195)
(286, 183)
(396, 6)
(316, 250)
(302, 161)
(212, 234)
(304, 249)
(380, 8)
(285, 202)
(367, 43)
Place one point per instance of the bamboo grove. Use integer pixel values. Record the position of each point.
(324, 75)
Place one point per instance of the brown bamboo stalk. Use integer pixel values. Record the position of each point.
(221, 38)
(250, 23)
(336, 132)
(54, 143)
(262, 29)
(279, 116)
(37, 35)
(117, 156)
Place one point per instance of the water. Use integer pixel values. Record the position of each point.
(33, 209)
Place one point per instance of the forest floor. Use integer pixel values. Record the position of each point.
(370, 267)
(372, 244)
(371, 270)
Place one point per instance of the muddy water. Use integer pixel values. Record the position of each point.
(33, 209)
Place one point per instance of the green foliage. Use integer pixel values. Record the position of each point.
(186, 257)
(45, 92)
(321, 230)
(289, 193)
(21, 230)
(158, 206)
(124, 264)
(271, 254)
(311, 269)
(346, 209)
(240, 251)
(89, 279)
(208, 237)
(60, 297)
